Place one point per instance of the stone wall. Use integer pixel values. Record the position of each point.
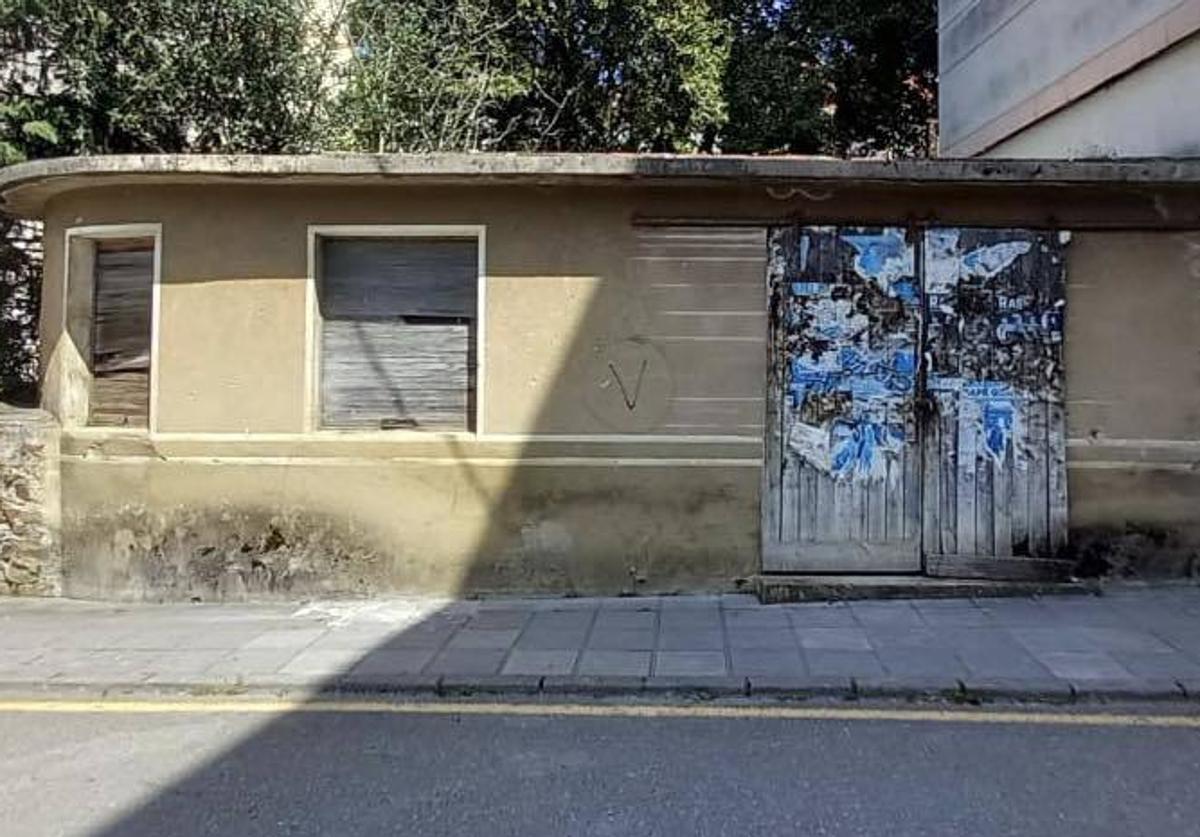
(30, 560)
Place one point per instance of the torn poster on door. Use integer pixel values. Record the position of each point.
(811, 444)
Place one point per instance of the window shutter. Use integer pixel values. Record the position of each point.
(397, 340)
(124, 281)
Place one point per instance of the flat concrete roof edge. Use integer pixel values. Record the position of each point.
(25, 187)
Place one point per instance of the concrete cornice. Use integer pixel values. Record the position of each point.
(25, 188)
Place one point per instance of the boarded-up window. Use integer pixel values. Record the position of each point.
(124, 280)
(398, 332)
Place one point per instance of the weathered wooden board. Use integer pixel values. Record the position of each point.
(995, 379)
(121, 334)
(842, 427)
(980, 469)
(120, 399)
(398, 277)
(397, 332)
(389, 373)
(998, 568)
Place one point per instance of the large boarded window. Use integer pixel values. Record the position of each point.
(398, 332)
(122, 294)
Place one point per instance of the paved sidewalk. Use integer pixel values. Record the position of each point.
(1134, 644)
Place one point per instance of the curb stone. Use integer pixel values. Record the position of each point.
(566, 686)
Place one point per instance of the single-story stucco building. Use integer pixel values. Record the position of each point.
(610, 374)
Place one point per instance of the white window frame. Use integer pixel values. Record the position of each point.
(109, 232)
(312, 327)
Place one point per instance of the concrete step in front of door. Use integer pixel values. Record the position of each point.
(783, 588)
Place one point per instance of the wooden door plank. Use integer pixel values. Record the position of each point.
(1039, 542)
(893, 496)
(965, 478)
(984, 497)
(789, 502)
(1002, 502)
(1019, 479)
(1056, 466)
(931, 485)
(826, 519)
(808, 511)
(948, 470)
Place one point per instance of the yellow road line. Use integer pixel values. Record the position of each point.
(599, 710)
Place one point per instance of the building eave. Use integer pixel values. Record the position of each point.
(25, 188)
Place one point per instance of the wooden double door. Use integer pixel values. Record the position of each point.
(915, 399)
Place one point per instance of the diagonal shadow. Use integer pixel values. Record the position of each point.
(239, 791)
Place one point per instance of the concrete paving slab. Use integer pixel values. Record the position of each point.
(500, 619)
(888, 613)
(828, 662)
(1065, 638)
(1169, 664)
(615, 663)
(1125, 639)
(420, 636)
(907, 663)
(644, 603)
(472, 638)
(551, 639)
(772, 662)
(690, 620)
(252, 663)
(394, 661)
(689, 663)
(678, 603)
(467, 662)
(562, 620)
(522, 661)
(173, 666)
(820, 615)
(1084, 665)
(293, 638)
(1001, 662)
(925, 639)
(623, 640)
(761, 619)
(626, 620)
(322, 663)
(782, 639)
(739, 601)
(683, 639)
(834, 639)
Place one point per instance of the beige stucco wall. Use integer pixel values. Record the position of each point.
(561, 490)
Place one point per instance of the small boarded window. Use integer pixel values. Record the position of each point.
(124, 281)
(398, 332)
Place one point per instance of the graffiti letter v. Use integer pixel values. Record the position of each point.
(630, 403)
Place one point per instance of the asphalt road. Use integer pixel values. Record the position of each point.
(186, 773)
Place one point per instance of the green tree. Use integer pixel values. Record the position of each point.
(423, 75)
(113, 76)
(619, 75)
(578, 75)
(841, 77)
